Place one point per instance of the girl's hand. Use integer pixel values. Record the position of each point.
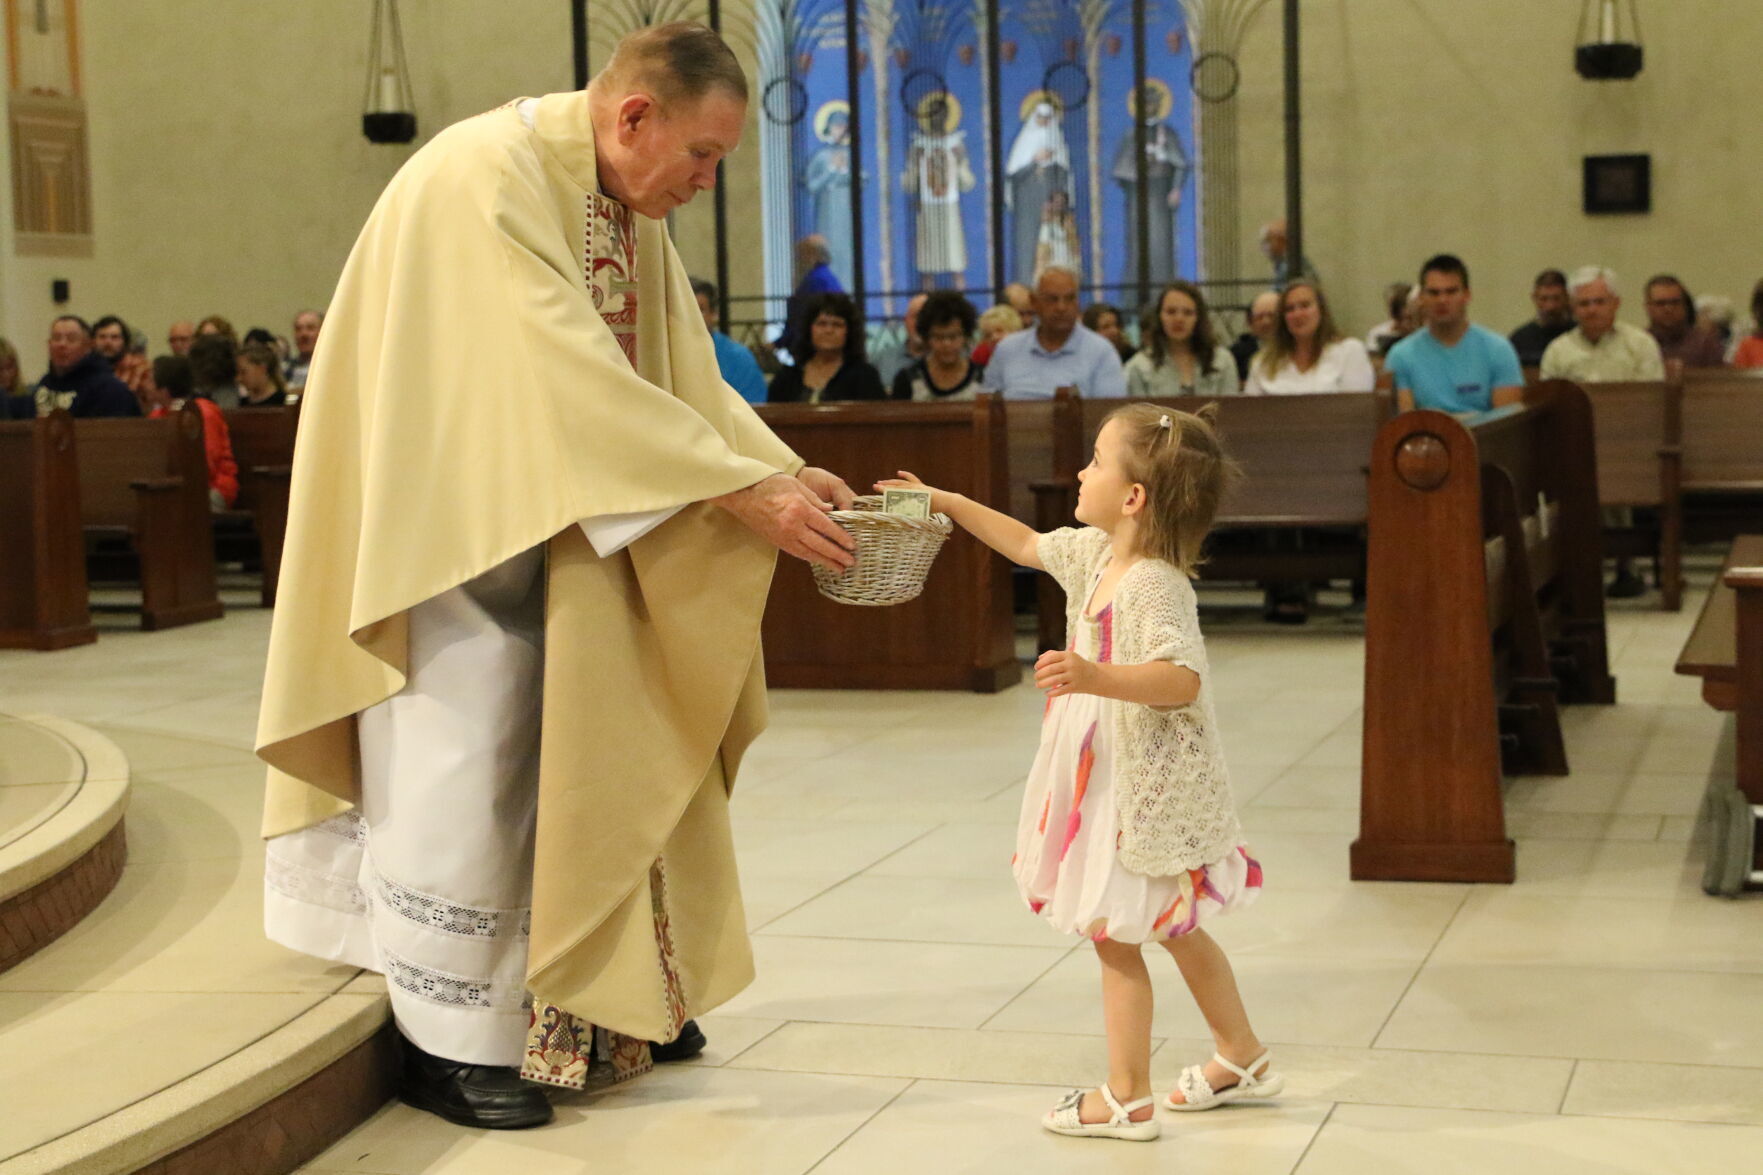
(1061, 671)
(939, 499)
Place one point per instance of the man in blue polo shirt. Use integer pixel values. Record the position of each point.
(1057, 352)
(739, 369)
(1453, 365)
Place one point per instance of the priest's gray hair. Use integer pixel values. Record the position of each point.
(1585, 275)
(682, 61)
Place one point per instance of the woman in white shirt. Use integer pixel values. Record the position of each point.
(1308, 352)
(1180, 355)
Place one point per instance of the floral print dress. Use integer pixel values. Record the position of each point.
(1066, 865)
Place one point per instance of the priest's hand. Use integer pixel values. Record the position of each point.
(828, 486)
(792, 517)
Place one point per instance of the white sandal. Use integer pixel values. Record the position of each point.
(1065, 1118)
(1201, 1096)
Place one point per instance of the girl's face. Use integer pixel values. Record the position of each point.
(1302, 313)
(1103, 487)
(1178, 314)
(828, 334)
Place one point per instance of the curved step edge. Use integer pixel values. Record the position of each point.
(57, 873)
(264, 1110)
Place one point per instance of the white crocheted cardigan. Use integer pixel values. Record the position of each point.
(1170, 786)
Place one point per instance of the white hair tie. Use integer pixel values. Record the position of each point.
(1164, 421)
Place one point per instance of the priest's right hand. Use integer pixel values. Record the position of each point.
(791, 517)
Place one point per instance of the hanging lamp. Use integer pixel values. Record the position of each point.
(389, 111)
(1608, 47)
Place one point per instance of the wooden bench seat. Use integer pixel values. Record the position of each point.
(144, 487)
(43, 594)
(959, 633)
(1484, 614)
(263, 446)
(1725, 650)
(1722, 459)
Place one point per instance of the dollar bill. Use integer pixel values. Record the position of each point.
(911, 503)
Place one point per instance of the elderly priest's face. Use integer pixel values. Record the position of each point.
(665, 156)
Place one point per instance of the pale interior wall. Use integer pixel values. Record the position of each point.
(229, 171)
(1459, 126)
(230, 174)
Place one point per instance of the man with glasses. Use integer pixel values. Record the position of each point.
(1671, 320)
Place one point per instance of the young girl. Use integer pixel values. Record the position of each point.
(1128, 834)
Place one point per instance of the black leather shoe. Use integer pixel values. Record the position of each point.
(492, 1097)
(1626, 586)
(688, 1044)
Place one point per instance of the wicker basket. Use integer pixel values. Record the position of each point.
(894, 555)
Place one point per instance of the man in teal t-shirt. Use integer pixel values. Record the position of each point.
(1453, 365)
(739, 369)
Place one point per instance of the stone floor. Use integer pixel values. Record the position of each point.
(1600, 1015)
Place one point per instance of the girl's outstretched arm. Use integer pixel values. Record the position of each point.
(1000, 532)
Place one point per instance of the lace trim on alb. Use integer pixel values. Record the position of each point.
(434, 913)
(442, 987)
(313, 887)
(347, 826)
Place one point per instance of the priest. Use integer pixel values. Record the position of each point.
(515, 658)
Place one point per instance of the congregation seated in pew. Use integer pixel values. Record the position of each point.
(1554, 318)
(1058, 351)
(1307, 352)
(169, 387)
(946, 370)
(1671, 320)
(1180, 354)
(1452, 364)
(834, 367)
(78, 379)
(260, 378)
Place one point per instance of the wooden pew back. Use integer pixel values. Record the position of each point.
(958, 634)
(263, 439)
(43, 591)
(116, 452)
(1722, 421)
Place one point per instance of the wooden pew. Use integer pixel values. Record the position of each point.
(43, 594)
(1047, 446)
(1725, 650)
(1722, 458)
(1639, 433)
(1303, 469)
(263, 445)
(1484, 610)
(959, 633)
(146, 481)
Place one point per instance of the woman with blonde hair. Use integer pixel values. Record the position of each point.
(994, 324)
(1308, 352)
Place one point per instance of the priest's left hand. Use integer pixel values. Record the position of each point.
(830, 487)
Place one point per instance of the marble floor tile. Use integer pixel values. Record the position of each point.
(1308, 785)
(1638, 870)
(932, 985)
(1703, 1018)
(1529, 823)
(767, 898)
(1606, 792)
(681, 1118)
(1359, 922)
(950, 1054)
(196, 814)
(1679, 1093)
(964, 850)
(149, 750)
(923, 909)
(799, 848)
(731, 1036)
(1296, 999)
(50, 1090)
(1688, 933)
(944, 1126)
(1399, 1141)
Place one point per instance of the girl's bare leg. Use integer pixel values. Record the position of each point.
(1126, 1008)
(1214, 986)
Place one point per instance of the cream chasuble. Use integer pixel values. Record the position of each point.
(470, 399)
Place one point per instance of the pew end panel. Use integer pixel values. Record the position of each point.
(1725, 650)
(43, 589)
(263, 446)
(1430, 798)
(148, 480)
(959, 634)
